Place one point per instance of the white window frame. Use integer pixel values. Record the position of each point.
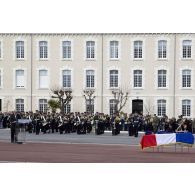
(143, 48)
(66, 38)
(162, 47)
(1, 78)
(157, 68)
(182, 75)
(20, 104)
(163, 77)
(85, 40)
(44, 38)
(108, 40)
(87, 109)
(68, 107)
(186, 109)
(114, 87)
(169, 40)
(90, 50)
(161, 104)
(188, 49)
(20, 50)
(114, 50)
(40, 78)
(91, 78)
(138, 48)
(43, 104)
(113, 105)
(60, 75)
(19, 38)
(1, 49)
(69, 82)
(138, 87)
(2, 104)
(67, 50)
(17, 87)
(43, 45)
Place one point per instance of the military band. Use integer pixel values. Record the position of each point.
(85, 123)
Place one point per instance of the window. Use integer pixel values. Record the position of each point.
(137, 78)
(113, 78)
(162, 49)
(90, 106)
(43, 79)
(20, 49)
(67, 108)
(43, 105)
(90, 78)
(0, 51)
(162, 78)
(66, 78)
(66, 49)
(186, 78)
(43, 50)
(19, 78)
(161, 106)
(0, 105)
(20, 105)
(114, 49)
(138, 49)
(186, 107)
(187, 48)
(90, 49)
(0, 79)
(113, 107)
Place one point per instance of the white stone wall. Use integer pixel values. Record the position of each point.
(78, 64)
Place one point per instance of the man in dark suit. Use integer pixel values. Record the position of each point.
(13, 120)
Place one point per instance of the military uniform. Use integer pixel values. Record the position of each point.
(13, 128)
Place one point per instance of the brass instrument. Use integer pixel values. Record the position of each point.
(179, 128)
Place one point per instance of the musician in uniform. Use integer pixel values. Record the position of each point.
(46, 123)
(6, 122)
(53, 123)
(38, 123)
(117, 125)
(193, 125)
(130, 125)
(66, 124)
(174, 124)
(136, 124)
(60, 124)
(155, 123)
(100, 124)
(1, 120)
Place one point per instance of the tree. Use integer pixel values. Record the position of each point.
(89, 96)
(53, 105)
(63, 96)
(149, 106)
(120, 98)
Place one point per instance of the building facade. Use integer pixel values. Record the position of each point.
(157, 70)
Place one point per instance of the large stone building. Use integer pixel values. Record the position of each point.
(156, 69)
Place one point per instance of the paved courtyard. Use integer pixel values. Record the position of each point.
(105, 138)
(73, 148)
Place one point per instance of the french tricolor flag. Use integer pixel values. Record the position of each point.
(166, 139)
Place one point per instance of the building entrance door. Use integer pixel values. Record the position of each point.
(137, 106)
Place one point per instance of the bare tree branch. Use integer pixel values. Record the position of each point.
(64, 96)
(120, 99)
(89, 95)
